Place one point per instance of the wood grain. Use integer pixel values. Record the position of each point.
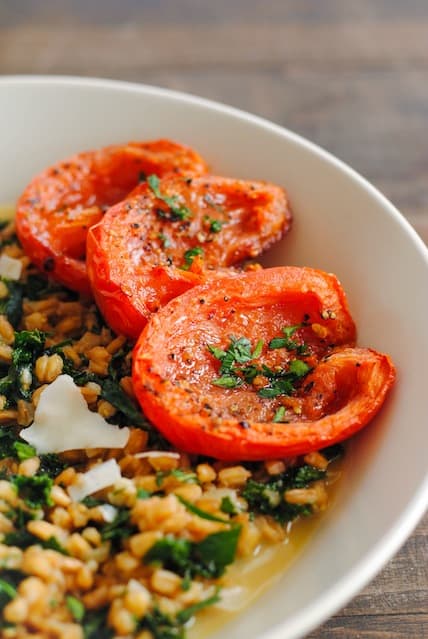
(351, 76)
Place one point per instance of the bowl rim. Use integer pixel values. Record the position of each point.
(340, 593)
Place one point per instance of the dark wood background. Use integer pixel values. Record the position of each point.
(350, 75)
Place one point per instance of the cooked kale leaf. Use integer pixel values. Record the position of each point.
(268, 497)
(11, 306)
(162, 626)
(94, 624)
(120, 528)
(9, 581)
(207, 558)
(35, 490)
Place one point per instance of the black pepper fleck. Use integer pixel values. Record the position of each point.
(244, 424)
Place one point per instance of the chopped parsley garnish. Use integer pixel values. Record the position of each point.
(215, 225)
(177, 211)
(279, 414)
(235, 369)
(283, 382)
(190, 255)
(287, 342)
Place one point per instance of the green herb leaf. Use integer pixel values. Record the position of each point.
(184, 476)
(190, 255)
(279, 414)
(8, 589)
(258, 349)
(24, 451)
(299, 368)
(227, 381)
(287, 342)
(51, 465)
(9, 581)
(142, 493)
(120, 528)
(184, 615)
(112, 392)
(7, 443)
(177, 211)
(76, 607)
(11, 306)
(95, 625)
(199, 512)
(22, 538)
(227, 506)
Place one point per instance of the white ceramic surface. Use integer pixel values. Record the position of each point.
(342, 224)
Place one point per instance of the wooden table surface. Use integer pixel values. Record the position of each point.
(351, 76)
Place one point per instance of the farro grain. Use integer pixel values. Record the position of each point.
(25, 412)
(205, 473)
(274, 466)
(116, 344)
(16, 610)
(105, 409)
(48, 367)
(7, 332)
(316, 459)
(37, 320)
(29, 467)
(234, 476)
(165, 582)
(5, 353)
(120, 618)
(125, 562)
(127, 386)
(140, 543)
(4, 291)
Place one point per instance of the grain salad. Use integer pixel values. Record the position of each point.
(127, 541)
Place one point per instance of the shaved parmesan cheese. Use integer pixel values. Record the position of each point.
(108, 512)
(63, 421)
(157, 453)
(100, 476)
(10, 268)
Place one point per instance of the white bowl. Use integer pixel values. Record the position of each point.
(342, 224)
